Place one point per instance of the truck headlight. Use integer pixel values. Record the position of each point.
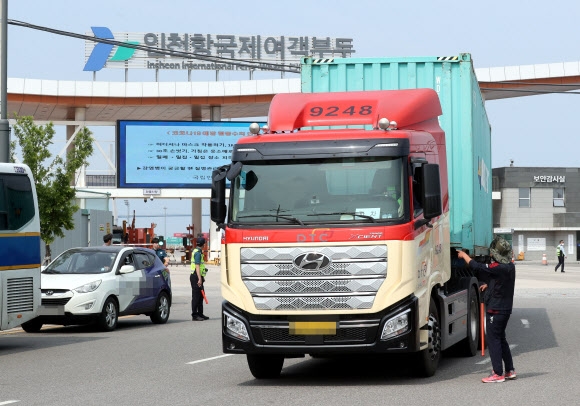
(236, 328)
(396, 325)
(89, 287)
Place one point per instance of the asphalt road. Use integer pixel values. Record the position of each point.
(181, 363)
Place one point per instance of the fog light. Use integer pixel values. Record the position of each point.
(87, 305)
(236, 328)
(396, 326)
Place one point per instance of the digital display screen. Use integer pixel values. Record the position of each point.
(174, 154)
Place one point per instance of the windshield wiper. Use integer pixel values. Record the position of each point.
(345, 213)
(50, 271)
(277, 216)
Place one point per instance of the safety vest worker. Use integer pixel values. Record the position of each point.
(202, 268)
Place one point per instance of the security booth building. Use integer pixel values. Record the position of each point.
(536, 207)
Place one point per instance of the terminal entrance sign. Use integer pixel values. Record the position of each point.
(172, 50)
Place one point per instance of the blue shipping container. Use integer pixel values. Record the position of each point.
(464, 120)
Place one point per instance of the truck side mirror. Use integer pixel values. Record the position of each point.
(234, 171)
(431, 191)
(218, 196)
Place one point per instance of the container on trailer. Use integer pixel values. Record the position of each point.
(464, 120)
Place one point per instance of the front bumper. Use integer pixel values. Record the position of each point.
(358, 333)
(67, 307)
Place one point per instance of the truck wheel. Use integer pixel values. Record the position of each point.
(32, 326)
(428, 359)
(469, 345)
(265, 366)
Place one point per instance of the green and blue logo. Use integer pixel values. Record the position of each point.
(100, 55)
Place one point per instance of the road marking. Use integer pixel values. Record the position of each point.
(8, 402)
(11, 331)
(526, 323)
(208, 359)
(17, 330)
(488, 360)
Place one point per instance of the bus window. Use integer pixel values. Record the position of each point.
(20, 236)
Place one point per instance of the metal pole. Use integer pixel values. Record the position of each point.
(165, 225)
(4, 126)
(127, 204)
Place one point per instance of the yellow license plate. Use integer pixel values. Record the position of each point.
(313, 328)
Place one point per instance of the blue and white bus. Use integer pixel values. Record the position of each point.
(19, 246)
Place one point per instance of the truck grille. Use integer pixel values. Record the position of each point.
(314, 278)
(20, 295)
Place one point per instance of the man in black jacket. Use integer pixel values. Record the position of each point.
(499, 281)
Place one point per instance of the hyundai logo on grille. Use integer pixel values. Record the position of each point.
(312, 261)
(49, 293)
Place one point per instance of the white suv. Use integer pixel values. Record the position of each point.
(99, 284)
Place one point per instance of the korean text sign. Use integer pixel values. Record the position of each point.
(174, 154)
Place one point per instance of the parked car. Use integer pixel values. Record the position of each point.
(99, 284)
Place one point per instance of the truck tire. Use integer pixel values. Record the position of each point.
(265, 366)
(468, 346)
(428, 359)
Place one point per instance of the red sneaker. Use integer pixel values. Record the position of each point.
(493, 378)
(511, 374)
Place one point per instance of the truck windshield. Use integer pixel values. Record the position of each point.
(362, 190)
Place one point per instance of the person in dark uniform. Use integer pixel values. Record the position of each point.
(499, 282)
(161, 253)
(196, 280)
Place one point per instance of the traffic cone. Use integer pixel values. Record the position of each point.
(544, 260)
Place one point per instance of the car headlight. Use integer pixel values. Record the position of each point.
(89, 287)
(236, 328)
(396, 325)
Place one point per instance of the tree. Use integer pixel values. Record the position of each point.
(53, 177)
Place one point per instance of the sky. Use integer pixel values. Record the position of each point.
(532, 131)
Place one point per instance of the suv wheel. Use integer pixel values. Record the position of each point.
(109, 317)
(162, 308)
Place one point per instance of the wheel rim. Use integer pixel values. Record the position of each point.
(434, 337)
(163, 307)
(473, 312)
(111, 314)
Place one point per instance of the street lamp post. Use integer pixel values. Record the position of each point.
(4, 125)
(128, 209)
(165, 225)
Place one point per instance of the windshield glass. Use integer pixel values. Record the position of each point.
(82, 262)
(364, 190)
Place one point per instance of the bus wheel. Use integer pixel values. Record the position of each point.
(32, 326)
